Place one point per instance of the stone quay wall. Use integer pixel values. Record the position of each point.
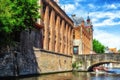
(40, 62)
(6, 65)
(29, 58)
(53, 62)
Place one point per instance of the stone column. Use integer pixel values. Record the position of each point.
(71, 50)
(62, 36)
(52, 31)
(66, 39)
(69, 40)
(46, 27)
(57, 49)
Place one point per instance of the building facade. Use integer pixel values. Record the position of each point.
(58, 28)
(56, 52)
(113, 50)
(83, 37)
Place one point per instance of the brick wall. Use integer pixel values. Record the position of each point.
(53, 62)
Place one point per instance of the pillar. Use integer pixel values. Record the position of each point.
(69, 40)
(71, 49)
(52, 31)
(62, 36)
(66, 39)
(57, 49)
(46, 28)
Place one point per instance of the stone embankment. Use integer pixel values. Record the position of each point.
(28, 58)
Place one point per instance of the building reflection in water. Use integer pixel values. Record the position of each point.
(75, 76)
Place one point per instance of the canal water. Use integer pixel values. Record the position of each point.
(76, 76)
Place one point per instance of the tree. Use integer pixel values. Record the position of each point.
(16, 15)
(98, 47)
(119, 51)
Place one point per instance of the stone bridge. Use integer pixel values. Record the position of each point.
(87, 62)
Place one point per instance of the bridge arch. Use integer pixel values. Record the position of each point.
(90, 68)
(87, 62)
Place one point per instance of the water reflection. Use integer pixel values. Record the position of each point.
(75, 76)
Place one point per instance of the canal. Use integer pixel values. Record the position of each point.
(76, 76)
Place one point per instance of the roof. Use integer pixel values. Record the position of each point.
(77, 20)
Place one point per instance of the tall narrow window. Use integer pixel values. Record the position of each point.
(75, 49)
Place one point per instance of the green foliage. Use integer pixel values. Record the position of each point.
(6, 13)
(16, 15)
(26, 14)
(119, 51)
(73, 65)
(76, 65)
(98, 47)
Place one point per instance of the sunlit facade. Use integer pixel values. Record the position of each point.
(83, 37)
(58, 28)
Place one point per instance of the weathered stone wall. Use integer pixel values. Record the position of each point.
(6, 65)
(40, 61)
(27, 60)
(53, 62)
(22, 61)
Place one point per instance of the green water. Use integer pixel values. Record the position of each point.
(75, 76)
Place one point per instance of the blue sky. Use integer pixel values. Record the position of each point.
(105, 17)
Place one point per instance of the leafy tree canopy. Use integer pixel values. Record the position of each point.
(98, 47)
(17, 15)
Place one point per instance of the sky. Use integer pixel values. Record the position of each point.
(105, 17)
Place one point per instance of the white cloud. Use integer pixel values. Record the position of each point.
(91, 6)
(100, 14)
(111, 6)
(94, 20)
(69, 8)
(107, 39)
(79, 0)
(106, 23)
(109, 21)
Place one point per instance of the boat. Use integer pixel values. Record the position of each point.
(100, 70)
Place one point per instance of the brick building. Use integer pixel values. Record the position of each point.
(58, 28)
(83, 36)
(113, 50)
(55, 55)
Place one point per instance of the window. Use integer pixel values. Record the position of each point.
(75, 49)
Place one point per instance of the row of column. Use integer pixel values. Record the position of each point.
(57, 33)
